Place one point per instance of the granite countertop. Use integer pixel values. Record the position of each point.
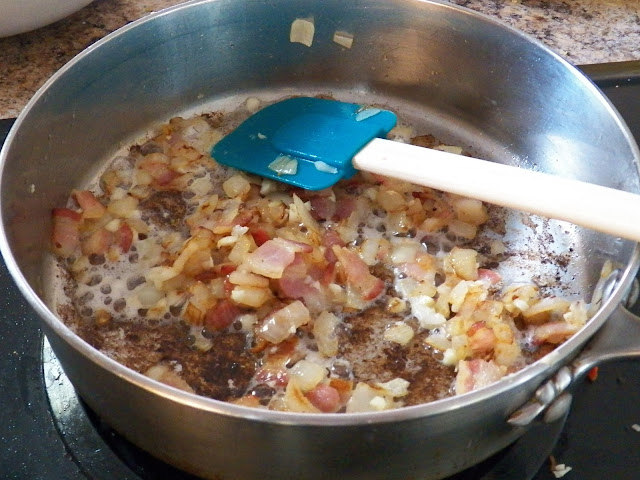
(582, 31)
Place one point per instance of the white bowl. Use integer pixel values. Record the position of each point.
(18, 16)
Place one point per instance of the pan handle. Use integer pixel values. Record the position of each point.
(617, 339)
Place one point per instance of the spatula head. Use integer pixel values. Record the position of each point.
(303, 141)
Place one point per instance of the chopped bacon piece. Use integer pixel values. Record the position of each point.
(124, 237)
(243, 218)
(481, 337)
(272, 257)
(65, 235)
(325, 398)
(206, 276)
(221, 315)
(476, 373)
(260, 235)
(329, 239)
(490, 276)
(274, 365)
(329, 273)
(66, 213)
(323, 208)
(292, 283)
(344, 208)
(299, 281)
(90, 205)
(227, 268)
(98, 242)
(357, 273)
(415, 271)
(161, 173)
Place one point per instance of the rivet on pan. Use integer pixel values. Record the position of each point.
(558, 408)
(563, 379)
(546, 393)
(526, 415)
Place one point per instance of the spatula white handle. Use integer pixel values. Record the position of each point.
(600, 208)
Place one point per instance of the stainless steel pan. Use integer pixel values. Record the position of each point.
(459, 75)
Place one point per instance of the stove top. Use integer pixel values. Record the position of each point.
(47, 433)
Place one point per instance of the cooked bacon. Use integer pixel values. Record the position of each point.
(344, 208)
(65, 235)
(476, 373)
(323, 208)
(90, 205)
(292, 283)
(325, 398)
(124, 237)
(243, 218)
(272, 257)
(329, 273)
(226, 268)
(161, 173)
(329, 239)
(481, 338)
(299, 282)
(98, 242)
(206, 276)
(357, 273)
(490, 276)
(221, 315)
(415, 271)
(274, 365)
(260, 235)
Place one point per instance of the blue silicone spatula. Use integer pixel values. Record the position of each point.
(313, 143)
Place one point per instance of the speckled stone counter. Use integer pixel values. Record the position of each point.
(582, 31)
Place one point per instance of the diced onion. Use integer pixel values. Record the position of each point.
(148, 295)
(163, 373)
(343, 38)
(449, 149)
(307, 374)
(399, 333)
(236, 186)
(422, 309)
(366, 398)
(463, 262)
(324, 332)
(250, 296)
(404, 253)
(302, 31)
(398, 387)
(284, 322)
(324, 167)
(284, 165)
(123, 207)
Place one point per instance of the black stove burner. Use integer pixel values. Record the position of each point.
(47, 433)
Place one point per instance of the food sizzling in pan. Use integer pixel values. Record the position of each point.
(370, 295)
